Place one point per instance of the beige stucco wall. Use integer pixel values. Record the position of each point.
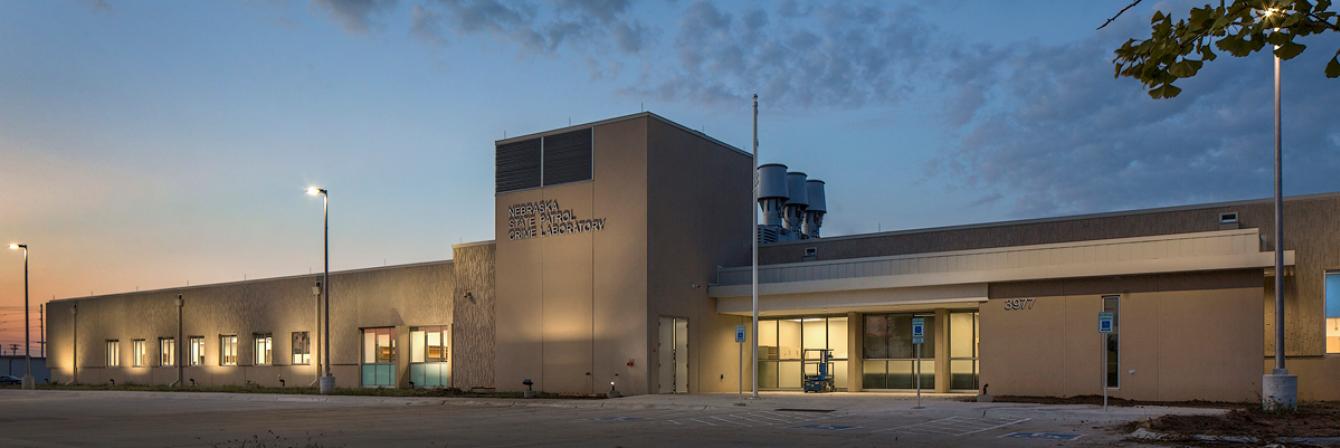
(569, 307)
(699, 220)
(399, 296)
(473, 310)
(577, 311)
(1174, 344)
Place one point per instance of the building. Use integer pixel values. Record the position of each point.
(622, 260)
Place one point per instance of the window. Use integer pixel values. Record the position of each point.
(1333, 312)
(782, 344)
(139, 355)
(964, 343)
(891, 359)
(378, 346)
(428, 357)
(228, 350)
(302, 349)
(264, 342)
(113, 353)
(379, 357)
(167, 352)
(197, 351)
(1111, 360)
(428, 344)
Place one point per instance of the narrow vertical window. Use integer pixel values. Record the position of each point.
(1112, 364)
(113, 353)
(1333, 312)
(302, 351)
(228, 350)
(167, 352)
(264, 344)
(197, 351)
(139, 356)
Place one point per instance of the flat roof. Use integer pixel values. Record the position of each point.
(257, 280)
(1062, 218)
(647, 114)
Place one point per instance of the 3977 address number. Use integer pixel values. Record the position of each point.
(1019, 304)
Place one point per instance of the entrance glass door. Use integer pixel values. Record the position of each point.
(379, 357)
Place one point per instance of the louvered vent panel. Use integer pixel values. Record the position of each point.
(567, 157)
(518, 165)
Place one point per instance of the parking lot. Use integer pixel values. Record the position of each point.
(101, 418)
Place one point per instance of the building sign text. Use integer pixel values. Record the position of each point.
(544, 218)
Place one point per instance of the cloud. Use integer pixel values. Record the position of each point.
(1048, 129)
(844, 55)
(355, 15)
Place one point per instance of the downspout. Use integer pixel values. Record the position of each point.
(178, 344)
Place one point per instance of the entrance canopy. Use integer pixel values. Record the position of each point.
(960, 278)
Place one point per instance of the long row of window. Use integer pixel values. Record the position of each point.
(300, 351)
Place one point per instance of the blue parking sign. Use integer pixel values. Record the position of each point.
(918, 330)
(1104, 322)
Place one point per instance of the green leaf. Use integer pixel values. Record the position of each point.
(1289, 50)
(1164, 91)
(1333, 68)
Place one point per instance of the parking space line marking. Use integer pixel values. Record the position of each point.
(703, 422)
(1002, 425)
(895, 428)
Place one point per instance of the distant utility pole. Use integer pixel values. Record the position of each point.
(42, 329)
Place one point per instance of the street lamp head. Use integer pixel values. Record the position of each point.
(315, 191)
(17, 246)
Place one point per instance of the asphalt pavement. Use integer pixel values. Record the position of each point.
(49, 418)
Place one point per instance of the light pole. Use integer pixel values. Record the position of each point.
(27, 345)
(327, 380)
(753, 282)
(1280, 388)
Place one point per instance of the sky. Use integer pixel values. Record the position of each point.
(154, 144)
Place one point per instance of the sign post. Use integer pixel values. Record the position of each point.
(739, 340)
(918, 338)
(1104, 329)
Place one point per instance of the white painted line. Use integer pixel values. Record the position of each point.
(997, 426)
(728, 421)
(895, 428)
(703, 422)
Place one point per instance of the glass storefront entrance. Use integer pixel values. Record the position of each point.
(782, 343)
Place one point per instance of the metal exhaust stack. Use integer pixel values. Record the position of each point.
(814, 214)
(772, 194)
(796, 203)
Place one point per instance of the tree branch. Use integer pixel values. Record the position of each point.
(1334, 26)
(1119, 13)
